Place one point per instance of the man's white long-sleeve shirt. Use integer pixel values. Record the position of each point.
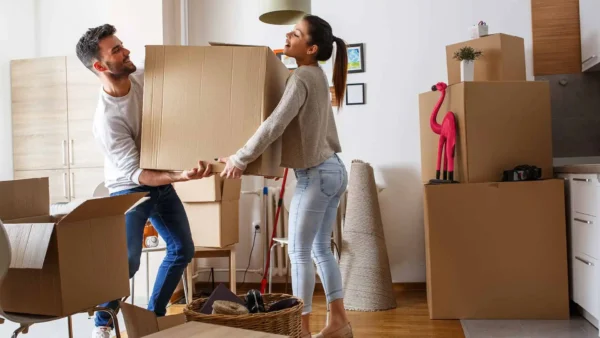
(117, 128)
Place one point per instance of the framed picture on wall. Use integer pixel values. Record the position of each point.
(289, 62)
(356, 58)
(355, 94)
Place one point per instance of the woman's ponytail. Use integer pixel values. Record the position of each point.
(340, 70)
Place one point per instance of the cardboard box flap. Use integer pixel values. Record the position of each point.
(28, 243)
(24, 198)
(102, 207)
(139, 322)
(231, 190)
(168, 322)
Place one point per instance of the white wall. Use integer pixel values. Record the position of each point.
(405, 54)
(17, 39)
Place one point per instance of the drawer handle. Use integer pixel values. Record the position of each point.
(582, 179)
(584, 261)
(583, 221)
(588, 59)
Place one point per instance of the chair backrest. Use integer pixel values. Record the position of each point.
(101, 191)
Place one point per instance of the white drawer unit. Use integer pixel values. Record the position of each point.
(584, 194)
(585, 235)
(585, 282)
(583, 219)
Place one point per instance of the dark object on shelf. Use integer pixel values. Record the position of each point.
(254, 301)
(522, 173)
(283, 304)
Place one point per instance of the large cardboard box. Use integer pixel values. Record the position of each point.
(143, 323)
(503, 59)
(63, 265)
(500, 125)
(496, 250)
(202, 103)
(212, 208)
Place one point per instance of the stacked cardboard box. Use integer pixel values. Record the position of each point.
(494, 249)
(212, 208)
(205, 102)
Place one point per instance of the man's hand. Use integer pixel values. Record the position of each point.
(203, 170)
(230, 170)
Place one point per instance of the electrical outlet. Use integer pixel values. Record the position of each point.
(256, 226)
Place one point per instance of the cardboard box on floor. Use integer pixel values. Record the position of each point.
(212, 207)
(499, 125)
(496, 250)
(143, 323)
(61, 266)
(503, 59)
(202, 103)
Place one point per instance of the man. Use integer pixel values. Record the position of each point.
(117, 129)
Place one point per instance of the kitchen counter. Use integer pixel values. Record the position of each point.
(578, 169)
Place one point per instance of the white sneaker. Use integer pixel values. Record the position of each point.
(101, 332)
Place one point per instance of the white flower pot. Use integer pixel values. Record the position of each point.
(467, 70)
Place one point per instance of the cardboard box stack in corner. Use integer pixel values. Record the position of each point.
(212, 208)
(62, 265)
(205, 102)
(494, 250)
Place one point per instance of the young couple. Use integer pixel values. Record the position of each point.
(303, 119)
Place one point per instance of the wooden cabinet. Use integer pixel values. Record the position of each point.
(58, 180)
(556, 37)
(53, 105)
(590, 34)
(83, 182)
(39, 113)
(83, 90)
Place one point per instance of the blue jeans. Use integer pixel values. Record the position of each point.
(165, 211)
(312, 213)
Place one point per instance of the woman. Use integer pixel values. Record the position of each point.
(304, 119)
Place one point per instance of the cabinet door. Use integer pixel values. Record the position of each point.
(39, 113)
(84, 181)
(590, 33)
(57, 180)
(83, 89)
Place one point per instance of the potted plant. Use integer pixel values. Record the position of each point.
(467, 56)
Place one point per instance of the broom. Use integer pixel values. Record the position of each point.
(263, 282)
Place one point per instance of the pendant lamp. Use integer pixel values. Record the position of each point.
(283, 12)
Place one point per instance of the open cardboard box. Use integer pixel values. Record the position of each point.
(143, 323)
(212, 207)
(63, 265)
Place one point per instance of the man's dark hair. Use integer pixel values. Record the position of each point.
(87, 48)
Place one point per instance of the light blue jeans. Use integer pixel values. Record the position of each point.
(312, 213)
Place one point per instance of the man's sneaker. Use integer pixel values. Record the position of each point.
(101, 332)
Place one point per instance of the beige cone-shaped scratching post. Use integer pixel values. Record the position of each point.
(364, 262)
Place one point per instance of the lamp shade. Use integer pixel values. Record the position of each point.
(283, 12)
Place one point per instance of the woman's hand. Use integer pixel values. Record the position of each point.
(230, 171)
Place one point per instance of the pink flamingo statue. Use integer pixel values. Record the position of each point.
(447, 132)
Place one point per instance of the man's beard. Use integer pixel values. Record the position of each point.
(120, 71)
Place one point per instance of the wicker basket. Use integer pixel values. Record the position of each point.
(285, 322)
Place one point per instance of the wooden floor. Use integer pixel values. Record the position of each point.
(409, 319)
